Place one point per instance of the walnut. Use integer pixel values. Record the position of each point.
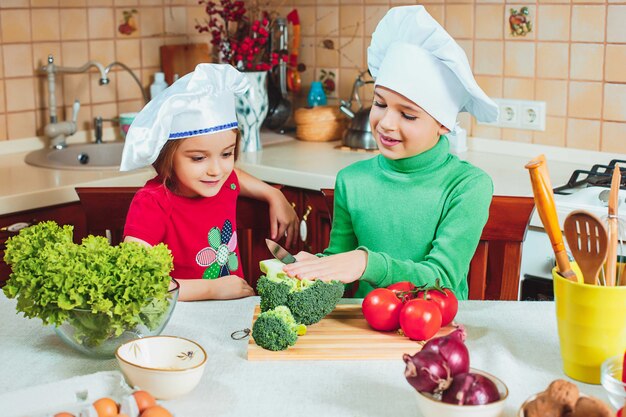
(564, 392)
(543, 406)
(591, 407)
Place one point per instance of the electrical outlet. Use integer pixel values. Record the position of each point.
(533, 115)
(520, 114)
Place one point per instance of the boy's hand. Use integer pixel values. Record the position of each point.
(230, 287)
(345, 267)
(283, 219)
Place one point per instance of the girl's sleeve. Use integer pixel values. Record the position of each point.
(146, 219)
(453, 247)
(342, 237)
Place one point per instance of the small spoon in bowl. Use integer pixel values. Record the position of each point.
(588, 241)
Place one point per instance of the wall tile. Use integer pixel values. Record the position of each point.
(175, 19)
(151, 21)
(195, 14)
(586, 62)
(488, 17)
(492, 86)
(102, 51)
(554, 135)
(485, 131)
(326, 57)
(74, 54)
(129, 52)
(130, 106)
(22, 94)
(18, 60)
(126, 2)
(373, 15)
(615, 63)
(327, 23)
(46, 25)
(351, 20)
(515, 135)
(437, 11)
(613, 137)
(106, 111)
(101, 23)
(488, 57)
(3, 127)
(351, 53)
(44, 3)
(468, 48)
(615, 27)
(615, 102)
(553, 22)
(460, 20)
(519, 88)
(583, 134)
(150, 53)
(127, 88)
(585, 99)
(532, 18)
(78, 27)
(554, 93)
(41, 50)
(21, 125)
(2, 97)
(72, 3)
(347, 77)
(308, 17)
(588, 23)
(103, 93)
(15, 25)
(307, 51)
(519, 59)
(76, 87)
(552, 60)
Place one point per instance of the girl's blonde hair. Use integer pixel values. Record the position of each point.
(164, 164)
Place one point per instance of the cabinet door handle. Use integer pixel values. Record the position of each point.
(303, 226)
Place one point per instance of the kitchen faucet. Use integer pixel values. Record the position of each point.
(132, 74)
(58, 131)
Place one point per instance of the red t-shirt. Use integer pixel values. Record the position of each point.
(200, 232)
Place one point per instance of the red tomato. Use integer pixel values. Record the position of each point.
(403, 287)
(446, 301)
(381, 309)
(420, 319)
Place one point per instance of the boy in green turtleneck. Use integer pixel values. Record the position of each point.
(415, 212)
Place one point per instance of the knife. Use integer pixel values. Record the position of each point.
(279, 252)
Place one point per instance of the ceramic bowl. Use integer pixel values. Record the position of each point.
(151, 321)
(168, 367)
(430, 406)
(610, 375)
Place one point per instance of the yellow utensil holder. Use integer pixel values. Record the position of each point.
(591, 320)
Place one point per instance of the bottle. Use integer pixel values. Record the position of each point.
(316, 96)
(158, 85)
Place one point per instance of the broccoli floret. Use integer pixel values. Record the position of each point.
(309, 301)
(276, 329)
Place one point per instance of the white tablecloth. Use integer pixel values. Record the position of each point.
(517, 341)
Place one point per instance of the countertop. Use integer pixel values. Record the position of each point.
(284, 160)
(525, 356)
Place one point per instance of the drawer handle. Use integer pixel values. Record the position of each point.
(303, 226)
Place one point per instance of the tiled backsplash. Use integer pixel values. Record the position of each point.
(574, 58)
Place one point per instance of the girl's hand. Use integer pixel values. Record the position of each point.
(345, 267)
(305, 256)
(283, 219)
(230, 287)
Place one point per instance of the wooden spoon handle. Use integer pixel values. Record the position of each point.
(544, 200)
(611, 262)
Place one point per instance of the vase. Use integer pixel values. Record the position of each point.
(251, 111)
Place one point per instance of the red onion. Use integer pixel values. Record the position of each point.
(452, 349)
(426, 371)
(471, 389)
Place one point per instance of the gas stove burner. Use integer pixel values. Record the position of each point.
(598, 176)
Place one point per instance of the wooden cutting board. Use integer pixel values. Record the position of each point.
(342, 335)
(182, 59)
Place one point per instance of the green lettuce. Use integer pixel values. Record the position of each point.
(56, 280)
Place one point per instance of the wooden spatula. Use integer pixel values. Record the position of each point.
(611, 262)
(588, 242)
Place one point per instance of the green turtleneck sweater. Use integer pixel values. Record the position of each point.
(419, 218)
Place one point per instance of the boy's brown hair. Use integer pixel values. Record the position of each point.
(164, 164)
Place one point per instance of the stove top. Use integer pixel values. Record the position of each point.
(598, 176)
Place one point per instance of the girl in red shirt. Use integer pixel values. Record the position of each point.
(189, 134)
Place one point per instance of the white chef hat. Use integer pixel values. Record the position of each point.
(413, 55)
(201, 102)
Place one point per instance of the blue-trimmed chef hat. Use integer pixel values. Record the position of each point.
(201, 102)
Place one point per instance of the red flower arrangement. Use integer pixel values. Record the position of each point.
(239, 41)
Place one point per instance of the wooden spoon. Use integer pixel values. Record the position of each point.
(611, 262)
(588, 241)
(544, 200)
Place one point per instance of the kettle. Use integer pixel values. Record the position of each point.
(359, 133)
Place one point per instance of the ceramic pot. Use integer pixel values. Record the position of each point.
(251, 111)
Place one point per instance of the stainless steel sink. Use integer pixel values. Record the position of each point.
(84, 156)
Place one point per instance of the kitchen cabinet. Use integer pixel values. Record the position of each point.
(70, 213)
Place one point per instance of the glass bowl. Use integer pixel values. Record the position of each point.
(86, 332)
(611, 379)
